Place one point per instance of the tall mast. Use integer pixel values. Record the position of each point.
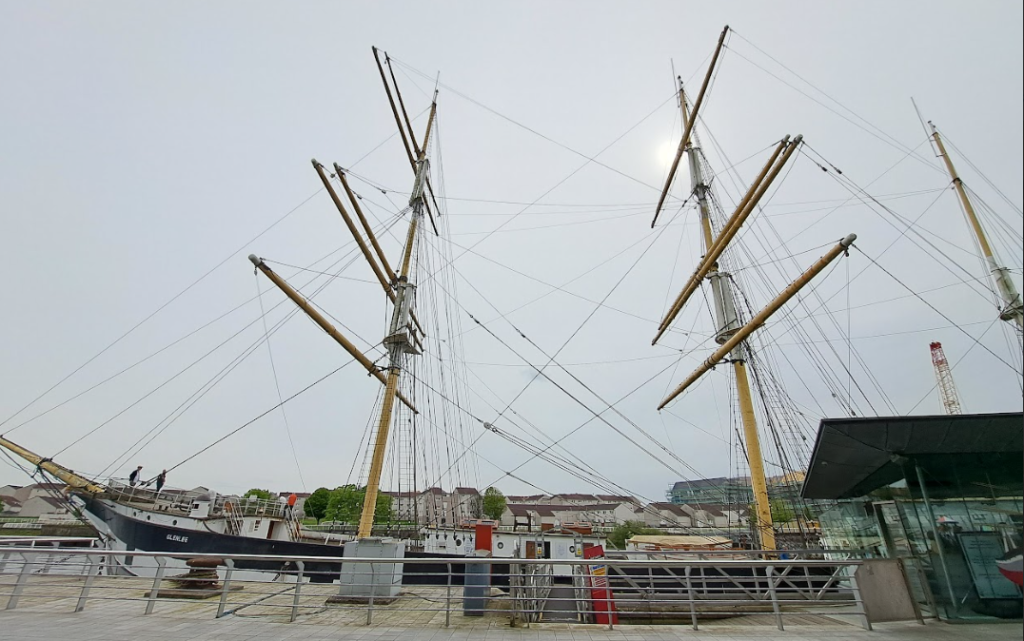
(1012, 311)
(68, 476)
(727, 323)
(400, 340)
(688, 124)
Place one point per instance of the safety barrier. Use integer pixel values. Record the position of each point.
(350, 591)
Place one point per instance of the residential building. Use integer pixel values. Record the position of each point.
(404, 506)
(545, 516)
(10, 490)
(40, 505)
(467, 503)
(11, 505)
(667, 515)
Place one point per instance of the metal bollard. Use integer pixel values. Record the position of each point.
(298, 586)
(373, 586)
(94, 568)
(691, 596)
(227, 586)
(448, 599)
(155, 592)
(768, 572)
(12, 602)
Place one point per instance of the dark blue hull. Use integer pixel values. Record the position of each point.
(138, 534)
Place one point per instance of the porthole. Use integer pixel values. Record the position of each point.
(501, 545)
(572, 549)
(458, 542)
(147, 517)
(174, 522)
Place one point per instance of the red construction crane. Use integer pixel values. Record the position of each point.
(947, 388)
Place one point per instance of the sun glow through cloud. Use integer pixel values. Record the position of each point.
(666, 152)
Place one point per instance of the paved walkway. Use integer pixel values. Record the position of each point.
(98, 626)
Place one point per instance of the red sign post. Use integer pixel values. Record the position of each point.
(600, 591)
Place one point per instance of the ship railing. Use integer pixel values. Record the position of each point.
(434, 591)
(249, 506)
(167, 498)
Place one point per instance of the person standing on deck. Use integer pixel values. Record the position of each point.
(160, 479)
(133, 478)
(292, 498)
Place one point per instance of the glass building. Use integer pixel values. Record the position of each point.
(940, 493)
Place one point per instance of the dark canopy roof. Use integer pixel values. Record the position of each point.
(964, 454)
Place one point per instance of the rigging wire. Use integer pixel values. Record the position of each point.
(952, 367)
(261, 415)
(1015, 207)
(179, 340)
(162, 307)
(589, 159)
(192, 364)
(934, 309)
(857, 191)
(133, 365)
(184, 291)
(581, 325)
(574, 172)
(208, 386)
(880, 135)
(277, 384)
(573, 469)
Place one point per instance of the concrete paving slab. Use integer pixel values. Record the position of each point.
(25, 625)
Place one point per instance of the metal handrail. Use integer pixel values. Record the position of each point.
(463, 559)
(659, 589)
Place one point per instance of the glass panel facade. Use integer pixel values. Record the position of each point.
(949, 546)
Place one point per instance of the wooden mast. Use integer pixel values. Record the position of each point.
(324, 324)
(68, 476)
(688, 125)
(727, 322)
(399, 341)
(1013, 311)
(729, 333)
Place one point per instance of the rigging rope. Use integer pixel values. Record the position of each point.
(261, 415)
(161, 308)
(277, 384)
(934, 309)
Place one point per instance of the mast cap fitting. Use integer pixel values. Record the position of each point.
(256, 260)
(846, 242)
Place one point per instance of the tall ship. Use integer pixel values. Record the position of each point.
(417, 364)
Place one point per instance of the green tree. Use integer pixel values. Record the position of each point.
(494, 503)
(625, 531)
(383, 512)
(1, 505)
(316, 504)
(346, 504)
(260, 494)
(781, 512)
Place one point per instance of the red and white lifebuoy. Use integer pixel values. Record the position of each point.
(1011, 565)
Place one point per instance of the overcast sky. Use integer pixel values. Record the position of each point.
(144, 144)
